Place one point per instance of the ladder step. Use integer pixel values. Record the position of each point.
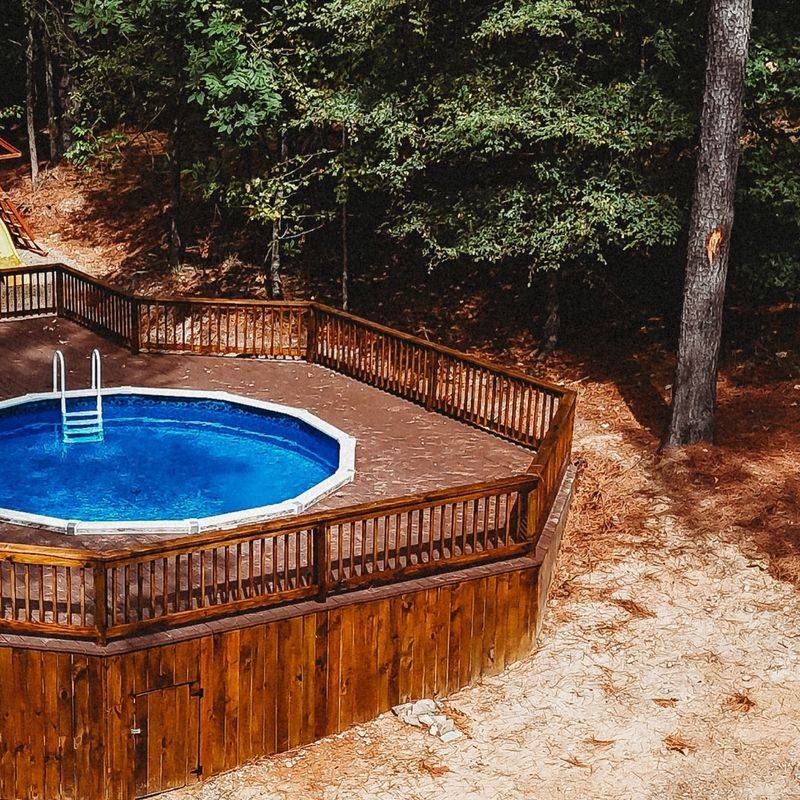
(83, 429)
(77, 424)
(92, 412)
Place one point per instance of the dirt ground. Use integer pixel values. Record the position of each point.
(669, 664)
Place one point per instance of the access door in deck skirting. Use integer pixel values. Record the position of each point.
(166, 734)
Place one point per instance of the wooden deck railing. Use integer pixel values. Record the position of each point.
(28, 292)
(505, 402)
(87, 594)
(48, 590)
(90, 595)
(96, 305)
(223, 327)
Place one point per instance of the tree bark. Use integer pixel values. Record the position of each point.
(552, 322)
(66, 104)
(174, 158)
(61, 50)
(345, 260)
(275, 278)
(345, 255)
(30, 101)
(695, 384)
(275, 282)
(52, 104)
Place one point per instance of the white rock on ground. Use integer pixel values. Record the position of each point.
(426, 713)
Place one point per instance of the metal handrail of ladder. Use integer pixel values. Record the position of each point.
(97, 382)
(79, 426)
(60, 377)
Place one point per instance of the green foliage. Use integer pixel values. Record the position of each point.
(149, 60)
(543, 132)
(11, 113)
(766, 253)
(515, 131)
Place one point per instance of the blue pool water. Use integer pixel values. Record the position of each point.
(162, 459)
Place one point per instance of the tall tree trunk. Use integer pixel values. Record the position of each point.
(274, 255)
(30, 101)
(345, 256)
(174, 158)
(345, 260)
(552, 322)
(695, 385)
(275, 279)
(66, 103)
(52, 105)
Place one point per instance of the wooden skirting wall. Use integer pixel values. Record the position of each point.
(222, 699)
(140, 717)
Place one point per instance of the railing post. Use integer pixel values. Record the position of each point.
(135, 314)
(100, 600)
(311, 335)
(433, 372)
(322, 561)
(59, 291)
(532, 513)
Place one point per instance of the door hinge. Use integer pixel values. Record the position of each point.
(198, 771)
(198, 692)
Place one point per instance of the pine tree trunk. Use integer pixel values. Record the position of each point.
(174, 157)
(552, 322)
(66, 104)
(52, 105)
(30, 102)
(275, 282)
(275, 279)
(345, 260)
(345, 256)
(695, 385)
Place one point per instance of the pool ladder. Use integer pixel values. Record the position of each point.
(79, 426)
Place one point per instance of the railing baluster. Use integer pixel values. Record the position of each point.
(100, 600)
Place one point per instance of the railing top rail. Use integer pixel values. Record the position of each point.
(87, 556)
(172, 299)
(41, 554)
(98, 282)
(221, 301)
(331, 517)
(27, 269)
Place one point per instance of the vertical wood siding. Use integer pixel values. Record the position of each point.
(66, 720)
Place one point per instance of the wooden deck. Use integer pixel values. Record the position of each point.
(178, 658)
(402, 450)
(311, 355)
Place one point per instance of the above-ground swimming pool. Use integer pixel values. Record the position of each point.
(169, 461)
